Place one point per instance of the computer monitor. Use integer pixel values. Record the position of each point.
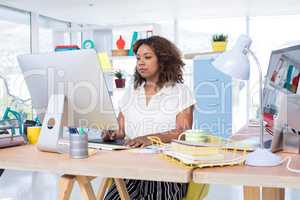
(281, 98)
(77, 76)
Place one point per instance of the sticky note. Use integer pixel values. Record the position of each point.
(104, 61)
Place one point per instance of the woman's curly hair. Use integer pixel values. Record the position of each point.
(169, 61)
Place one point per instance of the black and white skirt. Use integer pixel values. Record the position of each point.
(149, 190)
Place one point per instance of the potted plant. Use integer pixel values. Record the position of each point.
(120, 80)
(219, 42)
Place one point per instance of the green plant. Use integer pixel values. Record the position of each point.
(118, 74)
(219, 37)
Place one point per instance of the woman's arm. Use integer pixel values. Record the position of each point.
(121, 130)
(184, 121)
(115, 134)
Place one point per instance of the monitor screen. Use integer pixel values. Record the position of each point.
(281, 97)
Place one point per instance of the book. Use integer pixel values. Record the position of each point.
(221, 159)
(298, 90)
(10, 141)
(287, 83)
(249, 144)
(295, 80)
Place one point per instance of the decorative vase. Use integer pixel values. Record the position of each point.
(219, 46)
(120, 43)
(120, 82)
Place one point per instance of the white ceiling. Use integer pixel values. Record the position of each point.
(105, 12)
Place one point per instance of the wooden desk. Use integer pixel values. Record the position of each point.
(116, 164)
(266, 177)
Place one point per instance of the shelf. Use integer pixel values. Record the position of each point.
(122, 57)
(202, 54)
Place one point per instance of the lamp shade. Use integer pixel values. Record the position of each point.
(235, 62)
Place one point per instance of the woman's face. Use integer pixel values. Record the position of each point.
(147, 63)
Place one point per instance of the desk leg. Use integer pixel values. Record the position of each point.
(106, 182)
(66, 183)
(253, 193)
(121, 187)
(273, 193)
(86, 187)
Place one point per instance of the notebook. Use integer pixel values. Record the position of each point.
(10, 141)
(107, 145)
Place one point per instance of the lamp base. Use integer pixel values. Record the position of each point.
(263, 158)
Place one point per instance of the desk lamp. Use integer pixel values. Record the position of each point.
(235, 63)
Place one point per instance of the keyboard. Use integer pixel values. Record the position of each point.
(63, 144)
(107, 145)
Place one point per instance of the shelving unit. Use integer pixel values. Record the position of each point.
(122, 57)
(126, 64)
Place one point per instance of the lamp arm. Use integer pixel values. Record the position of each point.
(261, 114)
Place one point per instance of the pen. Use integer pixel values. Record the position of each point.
(81, 131)
(73, 131)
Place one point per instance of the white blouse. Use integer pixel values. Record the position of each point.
(160, 113)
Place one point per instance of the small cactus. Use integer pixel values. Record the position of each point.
(118, 74)
(219, 37)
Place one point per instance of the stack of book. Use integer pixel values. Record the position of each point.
(7, 138)
(9, 141)
(203, 155)
(66, 47)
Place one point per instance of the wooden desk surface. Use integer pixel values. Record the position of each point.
(117, 164)
(277, 176)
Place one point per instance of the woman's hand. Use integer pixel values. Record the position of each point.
(109, 135)
(138, 142)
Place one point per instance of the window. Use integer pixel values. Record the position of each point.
(76, 34)
(15, 40)
(195, 35)
(51, 33)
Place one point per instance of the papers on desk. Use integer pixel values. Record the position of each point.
(152, 149)
(249, 144)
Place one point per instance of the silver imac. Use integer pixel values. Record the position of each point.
(70, 85)
(282, 99)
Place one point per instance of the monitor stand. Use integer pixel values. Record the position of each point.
(52, 129)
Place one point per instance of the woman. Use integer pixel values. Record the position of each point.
(158, 104)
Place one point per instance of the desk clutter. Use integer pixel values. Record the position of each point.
(208, 151)
(13, 128)
(66, 47)
(10, 141)
(78, 140)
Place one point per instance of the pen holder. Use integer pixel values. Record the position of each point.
(78, 146)
(33, 133)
